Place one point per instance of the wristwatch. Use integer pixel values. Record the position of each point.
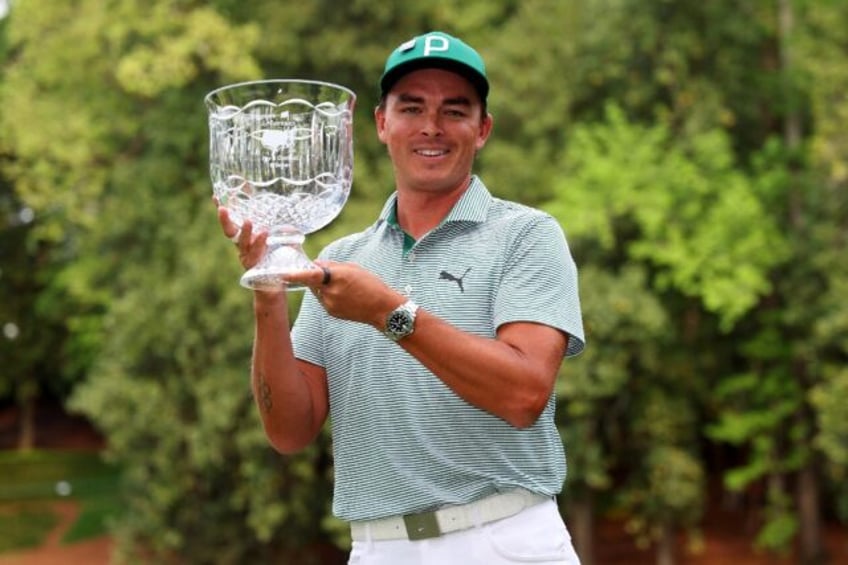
(401, 321)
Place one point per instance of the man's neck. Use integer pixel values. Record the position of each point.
(418, 212)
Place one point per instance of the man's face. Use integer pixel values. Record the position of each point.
(432, 125)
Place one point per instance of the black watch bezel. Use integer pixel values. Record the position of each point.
(401, 321)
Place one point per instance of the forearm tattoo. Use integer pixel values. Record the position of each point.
(264, 394)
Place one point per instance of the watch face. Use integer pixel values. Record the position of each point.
(399, 323)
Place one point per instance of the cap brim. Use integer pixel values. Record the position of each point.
(478, 81)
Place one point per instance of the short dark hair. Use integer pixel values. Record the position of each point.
(484, 110)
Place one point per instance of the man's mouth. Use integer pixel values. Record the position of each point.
(431, 152)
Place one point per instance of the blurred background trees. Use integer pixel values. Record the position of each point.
(696, 154)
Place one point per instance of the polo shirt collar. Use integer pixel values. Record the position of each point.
(471, 206)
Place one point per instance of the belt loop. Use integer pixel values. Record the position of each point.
(475, 516)
(368, 536)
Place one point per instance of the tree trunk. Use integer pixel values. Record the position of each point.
(666, 546)
(811, 545)
(26, 431)
(582, 512)
(792, 120)
(811, 550)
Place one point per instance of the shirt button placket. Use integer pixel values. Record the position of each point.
(409, 273)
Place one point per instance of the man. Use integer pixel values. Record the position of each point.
(432, 340)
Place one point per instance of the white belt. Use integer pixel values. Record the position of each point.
(448, 519)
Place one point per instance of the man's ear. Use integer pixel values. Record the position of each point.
(380, 121)
(486, 126)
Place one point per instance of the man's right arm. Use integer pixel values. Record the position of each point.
(291, 394)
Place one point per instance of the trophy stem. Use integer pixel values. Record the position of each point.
(284, 255)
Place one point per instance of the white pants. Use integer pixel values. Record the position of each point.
(535, 535)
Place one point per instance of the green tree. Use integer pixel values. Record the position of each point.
(656, 190)
(36, 353)
(701, 193)
(797, 347)
(694, 153)
(627, 326)
(821, 51)
(103, 113)
(109, 141)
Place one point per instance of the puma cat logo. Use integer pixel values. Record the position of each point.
(444, 275)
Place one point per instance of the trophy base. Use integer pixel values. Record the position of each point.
(280, 260)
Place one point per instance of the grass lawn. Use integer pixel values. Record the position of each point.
(30, 482)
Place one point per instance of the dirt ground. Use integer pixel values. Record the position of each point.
(727, 541)
(90, 552)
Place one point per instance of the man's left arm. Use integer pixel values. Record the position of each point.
(511, 375)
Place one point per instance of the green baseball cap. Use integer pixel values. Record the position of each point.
(436, 50)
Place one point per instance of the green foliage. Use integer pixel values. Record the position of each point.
(177, 46)
(670, 492)
(759, 412)
(711, 242)
(176, 363)
(33, 333)
(696, 217)
(822, 49)
(781, 523)
(166, 325)
(666, 487)
(625, 324)
(828, 397)
(656, 179)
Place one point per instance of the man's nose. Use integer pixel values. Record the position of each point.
(432, 124)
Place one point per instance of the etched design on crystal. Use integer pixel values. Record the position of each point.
(281, 156)
(286, 166)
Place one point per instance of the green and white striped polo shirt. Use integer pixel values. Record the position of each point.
(403, 442)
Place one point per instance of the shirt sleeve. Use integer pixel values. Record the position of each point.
(307, 333)
(540, 282)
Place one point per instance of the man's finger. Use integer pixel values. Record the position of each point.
(312, 277)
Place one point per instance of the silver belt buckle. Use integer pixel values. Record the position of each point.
(421, 526)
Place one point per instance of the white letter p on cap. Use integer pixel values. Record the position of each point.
(435, 43)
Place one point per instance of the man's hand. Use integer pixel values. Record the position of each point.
(250, 246)
(350, 292)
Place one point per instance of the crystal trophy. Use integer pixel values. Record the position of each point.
(281, 156)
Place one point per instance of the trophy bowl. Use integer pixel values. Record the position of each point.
(281, 156)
